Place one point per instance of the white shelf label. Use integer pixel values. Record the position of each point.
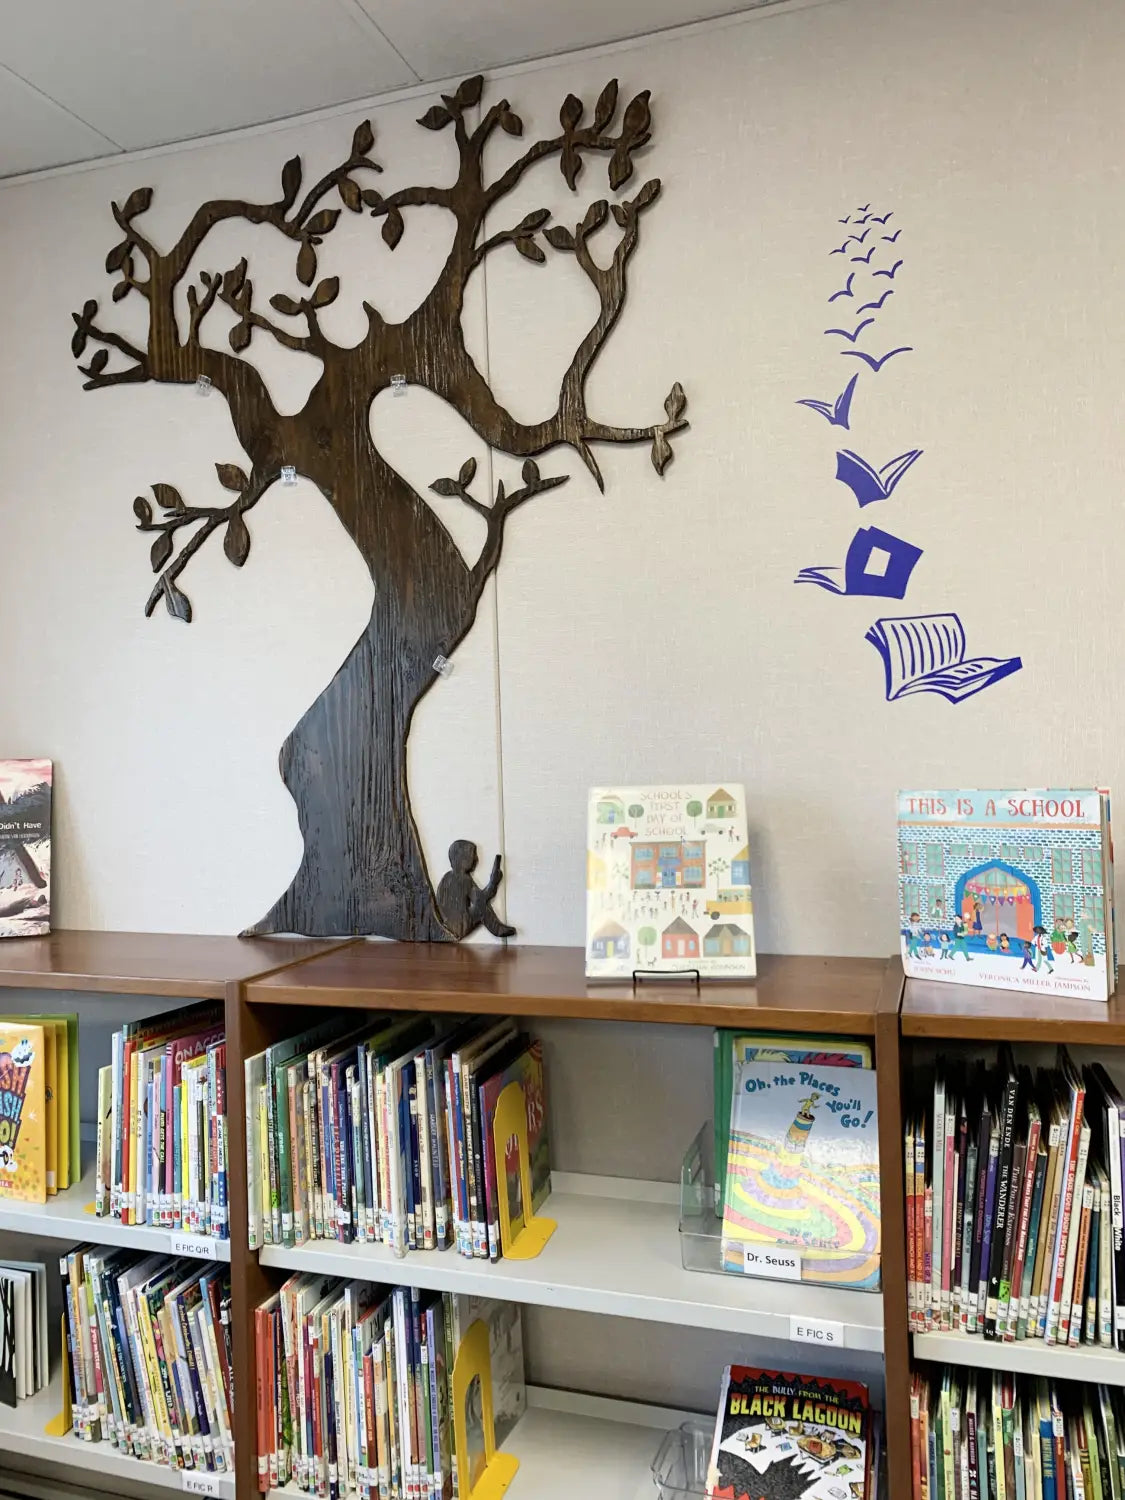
(782, 1265)
(817, 1331)
(203, 1247)
(201, 1484)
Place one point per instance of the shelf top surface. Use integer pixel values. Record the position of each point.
(933, 1008)
(146, 963)
(800, 993)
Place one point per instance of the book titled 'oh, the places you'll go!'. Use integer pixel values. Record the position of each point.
(1009, 889)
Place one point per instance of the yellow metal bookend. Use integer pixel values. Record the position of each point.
(59, 1426)
(473, 1361)
(510, 1120)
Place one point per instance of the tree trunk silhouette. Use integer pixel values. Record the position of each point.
(345, 763)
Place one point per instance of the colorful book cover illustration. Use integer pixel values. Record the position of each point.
(801, 1198)
(25, 848)
(1008, 889)
(527, 1071)
(668, 882)
(23, 1113)
(789, 1437)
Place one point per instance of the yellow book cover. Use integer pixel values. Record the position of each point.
(23, 1111)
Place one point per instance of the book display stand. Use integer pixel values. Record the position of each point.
(472, 1382)
(510, 1123)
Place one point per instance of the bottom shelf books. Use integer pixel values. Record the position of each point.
(149, 1356)
(999, 1437)
(23, 1330)
(355, 1388)
(792, 1437)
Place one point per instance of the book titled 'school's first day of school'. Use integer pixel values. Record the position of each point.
(668, 882)
(789, 1437)
(1008, 889)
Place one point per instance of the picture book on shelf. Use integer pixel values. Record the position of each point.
(25, 848)
(801, 1197)
(23, 1112)
(790, 1437)
(1008, 889)
(668, 882)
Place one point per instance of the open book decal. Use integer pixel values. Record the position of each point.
(926, 654)
(867, 483)
(878, 565)
(839, 411)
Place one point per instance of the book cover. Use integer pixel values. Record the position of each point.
(25, 848)
(801, 1198)
(23, 1111)
(526, 1070)
(1007, 889)
(788, 1437)
(668, 882)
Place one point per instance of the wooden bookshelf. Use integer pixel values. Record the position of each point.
(973, 1013)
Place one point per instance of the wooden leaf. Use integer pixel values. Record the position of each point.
(363, 140)
(510, 122)
(179, 605)
(350, 193)
(559, 236)
(450, 102)
(89, 308)
(371, 197)
(323, 222)
(638, 116)
(161, 551)
(620, 215)
(121, 291)
(327, 291)
(469, 92)
(648, 194)
(661, 451)
(284, 304)
(620, 168)
(444, 487)
(467, 473)
(78, 342)
(168, 496)
(606, 105)
(236, 542)
(532, 221)
(530, 472)
(306, 264)
(142, 510)
(117, 257)
(436, 118)
(675, 402)
(392, 228)
(232, 281)
(570, 164)
(231, 477)
(136, 203)
(529, 250)
(290, 180)
(99, 362)
(571, 112)
(595, 216)
(239, 337)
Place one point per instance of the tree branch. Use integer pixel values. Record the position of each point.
(495, 516)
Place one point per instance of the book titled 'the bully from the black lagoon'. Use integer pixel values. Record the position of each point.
(790, 1437)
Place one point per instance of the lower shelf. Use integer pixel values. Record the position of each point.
(570, 1445)
(1023, 1357)
(22, 1431)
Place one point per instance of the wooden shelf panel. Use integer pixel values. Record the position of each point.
(616, 1256)
(931, 1008)
(65, 1217)
(840, 995)
(22, 1432)
(1024, 1357)
(147, 963)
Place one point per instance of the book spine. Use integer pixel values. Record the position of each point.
(1003, 1189)
(1087, 1320)
(949, 1211)
(1066, 1204)
(425, 1166)
(1034, 1237)
(1059, 1327)
(1074, 1298)
(938, 1200)
(1023, 1228)
(1105, 1271)
(988, 1230)
(968, 1224)
(1052, 1198)
(1116, 1148)
(1011, 1236)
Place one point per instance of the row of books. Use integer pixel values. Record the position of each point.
(381, 1131)
(997, 1437)
(798, 1166)
(149, 1356)
(162, 1123)
(40, 1146)
(24, 1368)
(355, 1392)
(1014, 1204)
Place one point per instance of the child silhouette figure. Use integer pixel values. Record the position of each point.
(462, 905)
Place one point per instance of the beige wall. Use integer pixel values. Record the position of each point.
(654, 633)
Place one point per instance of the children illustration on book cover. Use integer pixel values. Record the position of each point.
(23, 1112)
(1007, 889)
(668, 881)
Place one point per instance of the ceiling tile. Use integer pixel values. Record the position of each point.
(450, 37)
(149, 71)
(35, 132)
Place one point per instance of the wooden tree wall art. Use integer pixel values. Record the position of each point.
(345, 764)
